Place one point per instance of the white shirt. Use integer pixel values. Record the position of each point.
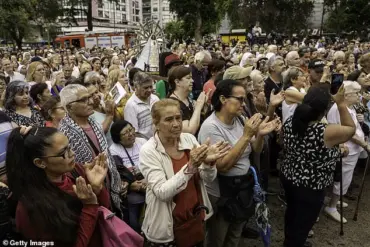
(289, 109)
(15, 77)
(133, 152)
(138, 113)
(334, 118)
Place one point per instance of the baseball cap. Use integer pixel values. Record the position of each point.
(316, 64)
(236, 72)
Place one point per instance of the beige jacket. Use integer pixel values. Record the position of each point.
(163, 185)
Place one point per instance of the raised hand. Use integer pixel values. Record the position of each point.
(267, 127)
(202, 99)
(198, 155)
(276, 99)
(216, 151)
(84, 192)
(251, 125)
(109, 107)
(97, 171)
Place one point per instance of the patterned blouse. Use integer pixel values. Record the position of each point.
(307, 161)
(35, 120)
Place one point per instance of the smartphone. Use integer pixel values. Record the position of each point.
(336, 82)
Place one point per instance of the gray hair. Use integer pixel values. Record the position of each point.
(69, 94)
(271, 62)
(89, 75)
(141, 78)
(289, 75)
(11, 91)
(201, 56)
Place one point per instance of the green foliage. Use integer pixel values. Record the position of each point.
(348, 16)
(18, 17)
(273, 15)
(175, 30)
(200, 17)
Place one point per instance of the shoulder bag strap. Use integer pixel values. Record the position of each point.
(129, 157)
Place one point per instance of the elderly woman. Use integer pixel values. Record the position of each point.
(355, 145)
(176, 167)
(125, 151)
(53, 112)
(305, 177)
(294, 86)
(18, 105)
(232, 193)
(86, 136)
(181, 84)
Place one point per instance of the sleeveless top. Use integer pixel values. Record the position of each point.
(307, 161)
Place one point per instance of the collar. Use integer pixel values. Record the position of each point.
(139, 101)
(183, 143)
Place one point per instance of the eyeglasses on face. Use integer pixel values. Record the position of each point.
(241, 99)
(66, 151)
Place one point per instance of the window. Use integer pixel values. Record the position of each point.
(137, 19)
(123, 8)
(155, 9)
(117, 7)
(137, 12)
(100, 13)
(100, 5)
(106, 14)
(123, 17)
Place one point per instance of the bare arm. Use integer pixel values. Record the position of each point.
(191, 126)
(227, 162)
(292, 96)
(339, 133)
(257, 144)
(107, 123)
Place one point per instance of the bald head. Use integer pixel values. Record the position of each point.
(292, 59)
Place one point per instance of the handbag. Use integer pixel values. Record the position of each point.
(192, 231)
(236, 201)
(115, 232)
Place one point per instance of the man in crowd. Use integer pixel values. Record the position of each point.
(199, 72)
(10, 74)
(138, 107)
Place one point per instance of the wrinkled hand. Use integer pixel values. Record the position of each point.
(96, 172)
(84, 192)
(216, 151)
(124, 189)
(202, 99)
(198, 155)
(276, 99)
(136, 186)
(267, 127)
(260, 102)
(360, 118)
(344, 150)
(251, 125)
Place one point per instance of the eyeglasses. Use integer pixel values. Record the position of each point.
(128, 132)
(241, 99)
(66, 151)
(83, 100)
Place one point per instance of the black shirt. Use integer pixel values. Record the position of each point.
(269, 86)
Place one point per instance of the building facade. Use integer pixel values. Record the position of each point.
(107, 15)
(158, 10)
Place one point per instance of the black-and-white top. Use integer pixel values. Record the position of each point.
(307, 161)
(35, 120)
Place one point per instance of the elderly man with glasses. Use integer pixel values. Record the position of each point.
(86, 136)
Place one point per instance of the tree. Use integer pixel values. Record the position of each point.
(175, 30)
(199, 16)
(273, 15)
(17, 17)
(349, 15)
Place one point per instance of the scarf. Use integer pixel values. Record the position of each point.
(84, 153)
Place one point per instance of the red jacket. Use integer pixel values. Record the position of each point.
(88, 234)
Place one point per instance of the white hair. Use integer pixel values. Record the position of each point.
(201, 56)
(89, 75)
(290, 54)
(141, 78)
(338, 54)
(69, 94)
(255, 74)
(272, 60)
(270, 48)
(351, 87)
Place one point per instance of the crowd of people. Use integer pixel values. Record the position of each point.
(172, 158)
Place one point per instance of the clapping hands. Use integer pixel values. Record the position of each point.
(96, 171)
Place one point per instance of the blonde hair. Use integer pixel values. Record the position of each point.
(364, 59)
(113, 76)
(31, 70)
(158, 107)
